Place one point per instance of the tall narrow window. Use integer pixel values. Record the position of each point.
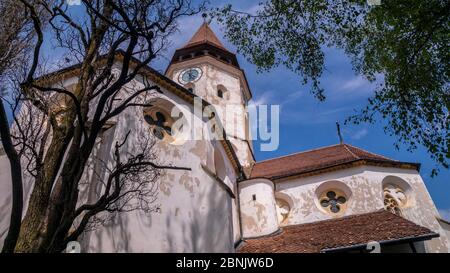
(222, 92)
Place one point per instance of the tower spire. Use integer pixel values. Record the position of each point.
(205, 35)
(204, 42)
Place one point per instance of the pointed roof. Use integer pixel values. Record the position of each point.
(322, 160)
(204, 42)
(204, 35)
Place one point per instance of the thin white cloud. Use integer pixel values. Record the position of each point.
(359, 134)
(345, 89)
(356, 83)
(271, 97)
(294, 96)
(308, 116)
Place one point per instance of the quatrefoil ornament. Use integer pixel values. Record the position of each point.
(333, 201)
(159, 125)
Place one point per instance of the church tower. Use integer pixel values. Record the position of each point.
(206, 68)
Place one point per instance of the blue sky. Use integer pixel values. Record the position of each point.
(307, 123)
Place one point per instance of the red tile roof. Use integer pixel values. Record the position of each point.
(350, 231)
(319, 159)
(205, 35)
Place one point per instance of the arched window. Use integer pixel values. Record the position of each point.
(397, 194)
(222, 92)
(283, 209)
(284, 205)
(394, 198)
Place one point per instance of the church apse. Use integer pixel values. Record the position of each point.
(258, 208)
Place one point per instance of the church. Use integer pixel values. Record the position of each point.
(337, 198)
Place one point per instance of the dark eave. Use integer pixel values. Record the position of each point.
(205, 49)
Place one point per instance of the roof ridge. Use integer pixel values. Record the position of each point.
(306, 151)
(352, 153)
(374, 154)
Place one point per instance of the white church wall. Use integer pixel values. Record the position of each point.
(258, 210)
(196, 212)
(365, 184)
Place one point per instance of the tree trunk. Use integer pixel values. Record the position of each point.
(16, 179)
(34, 223)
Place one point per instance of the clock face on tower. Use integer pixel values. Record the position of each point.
(190, 75)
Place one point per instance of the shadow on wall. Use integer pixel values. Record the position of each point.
(206, 226)
(5, 199)
(115, 232)
(5, 214)
(209, 228)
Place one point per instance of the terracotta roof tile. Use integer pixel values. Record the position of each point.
(381, 226)
(204, 35)
(322, 158)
